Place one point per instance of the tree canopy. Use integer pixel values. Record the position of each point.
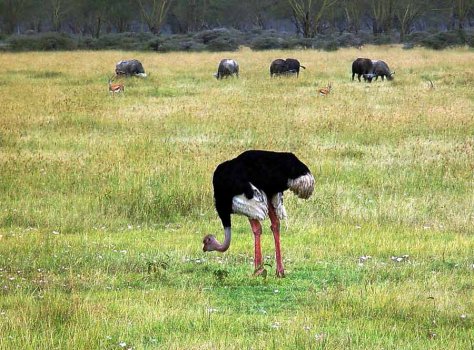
(307, 18)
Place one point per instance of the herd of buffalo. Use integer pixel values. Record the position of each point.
(365, 67)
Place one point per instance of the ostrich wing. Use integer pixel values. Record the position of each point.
(254, 208)
(277, 202)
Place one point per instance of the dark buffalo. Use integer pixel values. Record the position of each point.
(290, 65)
(130, 67)
(293, 66)
(364, 67)
(381, 69)
(227, 67)
(278, 67)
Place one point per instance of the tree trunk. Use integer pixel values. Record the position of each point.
(98, 27)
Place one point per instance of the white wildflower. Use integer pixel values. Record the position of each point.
(319, 336)
(276, 325)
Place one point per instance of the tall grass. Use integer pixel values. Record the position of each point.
(104, 201)
(72, 157)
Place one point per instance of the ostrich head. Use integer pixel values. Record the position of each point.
(210, 243)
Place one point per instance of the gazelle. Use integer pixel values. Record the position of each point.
(326, 90)
(115, 88)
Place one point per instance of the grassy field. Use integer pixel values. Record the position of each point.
(104, 202)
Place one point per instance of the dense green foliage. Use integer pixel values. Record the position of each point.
(307, 18)
(225, 40)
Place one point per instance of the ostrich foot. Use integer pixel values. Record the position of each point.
(260, 271)
(280, 273)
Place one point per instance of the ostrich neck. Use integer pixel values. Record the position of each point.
(224, 246)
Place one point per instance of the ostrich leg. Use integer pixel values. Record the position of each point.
(257, 232)
(275, 227)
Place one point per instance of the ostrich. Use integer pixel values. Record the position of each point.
(252, 184)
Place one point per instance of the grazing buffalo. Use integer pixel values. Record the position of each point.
(227, 67)
(293, 66)
(290, 65)
(130, 67)
(380, 69)
(278, 67)
(364, 67)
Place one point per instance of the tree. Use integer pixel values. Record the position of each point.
(382, 15)
(308, 15)
(57, 12)
(354, 11)
(461, 10)
(120, 14)
(407, 12)
(13, 12)
(154, 13)
(189, 15)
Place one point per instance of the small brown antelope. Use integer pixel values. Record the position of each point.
(326, 90)
(115, 88)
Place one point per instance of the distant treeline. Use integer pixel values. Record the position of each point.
(226, 40)
(192, 24)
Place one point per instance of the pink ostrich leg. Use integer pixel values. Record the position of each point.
(257, 232)
(275, 227)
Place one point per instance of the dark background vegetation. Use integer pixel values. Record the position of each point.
(223, 25)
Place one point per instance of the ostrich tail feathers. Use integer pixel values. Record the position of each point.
(302, 186)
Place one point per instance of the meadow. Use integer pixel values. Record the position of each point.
(104, 202)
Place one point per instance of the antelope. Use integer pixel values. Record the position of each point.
(115, 88)
(326, 90)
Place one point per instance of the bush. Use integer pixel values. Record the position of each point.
(382, 39)
(124, 41)
(268, 43)
(226, 40)
(175, 43)
(443, 40)
(416, 37)
(331, 45)
(87, 43)
(42, 42)
(223, 44)
(470, 40)
(300, 43)
(219, 39)
(348, 40)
